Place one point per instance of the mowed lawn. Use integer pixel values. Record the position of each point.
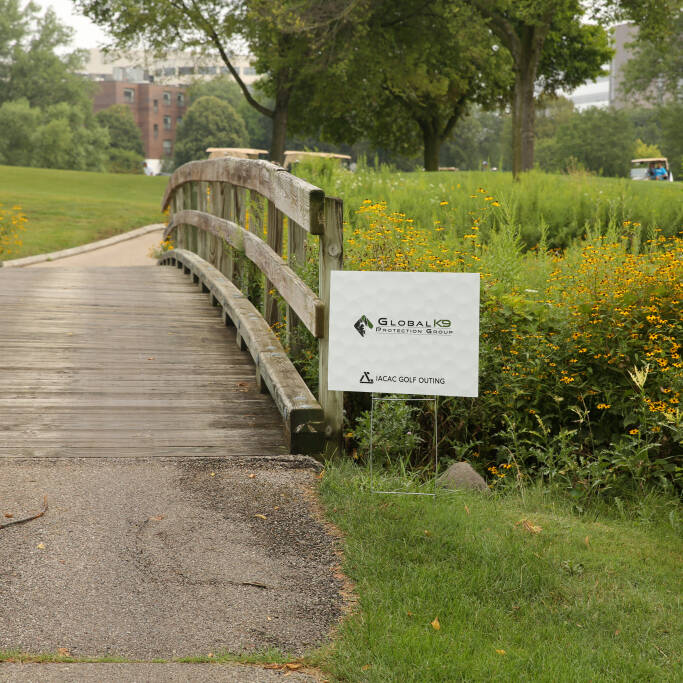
(68, 208)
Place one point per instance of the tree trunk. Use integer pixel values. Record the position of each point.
(432, 146)
(524, 100)
(279, 139)
(523, 119)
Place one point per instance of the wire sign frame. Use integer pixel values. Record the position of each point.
(428, 399)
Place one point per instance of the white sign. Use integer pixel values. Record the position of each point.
(404, 333)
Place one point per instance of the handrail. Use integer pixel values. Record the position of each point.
(309, 308)
(296, 198)
(232, 215)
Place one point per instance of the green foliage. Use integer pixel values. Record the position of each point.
(34, 62)
(224, 88)
(18, 122)
(124, 161)
(125, 151)
(69, 138)
(45, 109)
(645, 151)
(564, 204)
(60, 136)
(564, 335)
(208, 122)
(411, 97)
(599, 140)
(654, 71)
(392, 429)
(124, 134)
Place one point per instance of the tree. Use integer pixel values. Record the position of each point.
(34, 61)
(477, 137)
(289, 39)
(408, 79)
(656, 68)
(123, 131)
(549, 45)
(225, 88)
(69, 138)
(552, 47)
(18, 121)
(125, 151)
(208, 122)
(598, 140)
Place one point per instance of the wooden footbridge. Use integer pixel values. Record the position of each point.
(191, 359)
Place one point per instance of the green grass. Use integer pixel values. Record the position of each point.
(587, 598)
(564, 204)
(69, 208)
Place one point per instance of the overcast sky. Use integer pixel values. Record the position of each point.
(86, 33)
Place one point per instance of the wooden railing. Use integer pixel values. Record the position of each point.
(220, 211)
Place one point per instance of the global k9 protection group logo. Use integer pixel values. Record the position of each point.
(362, 324)
(390, 325)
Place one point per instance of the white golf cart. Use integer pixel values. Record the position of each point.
(645, 169)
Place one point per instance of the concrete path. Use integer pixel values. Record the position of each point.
(132, 252)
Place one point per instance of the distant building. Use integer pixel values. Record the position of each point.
(176, 68)
(605, 91)
(154, 90)
(157, 109)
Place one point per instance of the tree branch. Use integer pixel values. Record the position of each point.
(208, 28)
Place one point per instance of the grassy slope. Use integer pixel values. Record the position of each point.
(68, 208)
(583, 599)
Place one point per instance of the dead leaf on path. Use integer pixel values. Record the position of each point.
(252, 476)
(151, 358)
(272, 666)
(293, 666)
(436, 625)
(501, 652)
(366, 667)
(528, 526)
(210, 655)
(467, 510)
(157, 518)
(261, 516)
(63, 652)
(587, 542)
(41, 546)
(213, 474)
(9, 515)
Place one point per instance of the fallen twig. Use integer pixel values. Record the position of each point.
(26, 519)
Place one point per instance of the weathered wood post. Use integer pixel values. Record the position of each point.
(331, 258)
(274, 239)
(296, 258)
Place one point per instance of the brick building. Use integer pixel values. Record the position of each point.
(157, 109)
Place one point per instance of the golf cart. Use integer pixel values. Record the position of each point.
(645, 169)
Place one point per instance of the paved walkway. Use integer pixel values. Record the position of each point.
(133, 252)
(177, 525)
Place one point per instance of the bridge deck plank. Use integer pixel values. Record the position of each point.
(124, 362)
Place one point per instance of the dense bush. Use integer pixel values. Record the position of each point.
(580, 359)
